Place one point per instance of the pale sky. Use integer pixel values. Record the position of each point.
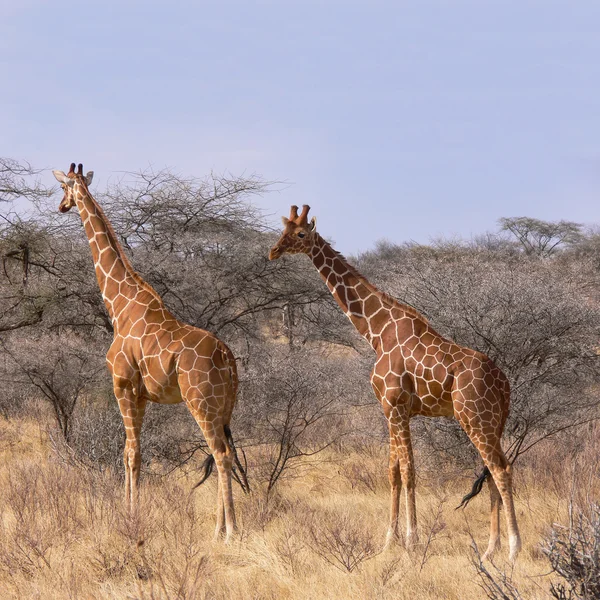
(393, 120)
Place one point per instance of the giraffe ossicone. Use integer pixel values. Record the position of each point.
(155, 357)
(416, 372)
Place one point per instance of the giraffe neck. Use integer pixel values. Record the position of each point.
(360, 300)
(118, 281)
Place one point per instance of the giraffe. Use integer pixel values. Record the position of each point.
(154, 357)
(416, 372)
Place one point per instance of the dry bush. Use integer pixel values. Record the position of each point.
(58, 368)
(170, 436)
(574, 553)
(496, 583)
(290, 547)
(341, 540)
(364, 466)
(293, 405)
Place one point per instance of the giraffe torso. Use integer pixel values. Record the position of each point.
(157, 350)
(433, 375)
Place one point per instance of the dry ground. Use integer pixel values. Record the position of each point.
(64, 533)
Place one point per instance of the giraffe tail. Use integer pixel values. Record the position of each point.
(207, 468)
(477, 485)
(242, 476)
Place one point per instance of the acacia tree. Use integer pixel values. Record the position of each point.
(18, 181)
(541, 238)
(18, 184)
(59, 368)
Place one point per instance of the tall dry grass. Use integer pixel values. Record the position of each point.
(64, 532)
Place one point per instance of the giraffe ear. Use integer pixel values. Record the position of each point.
(88, 177)
(285, 221)
(60, 176)
(313, 224)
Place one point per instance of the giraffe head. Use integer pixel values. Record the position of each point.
(298, 234)
(67, 183)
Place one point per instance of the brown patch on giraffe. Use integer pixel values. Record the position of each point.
(319, 260)
(378, 322)
(371, 305)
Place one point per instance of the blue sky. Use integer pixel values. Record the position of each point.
(393, 120)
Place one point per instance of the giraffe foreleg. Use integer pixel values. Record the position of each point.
(133, 408)
(402, 472)
(395, 487)
(407, 472)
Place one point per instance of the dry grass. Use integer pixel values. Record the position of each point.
(64, 533)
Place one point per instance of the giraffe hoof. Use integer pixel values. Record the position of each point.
(391, 539)
(412, 541)
(229, 538)
(491, 551)
(515, 548)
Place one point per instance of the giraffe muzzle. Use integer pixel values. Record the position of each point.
(275, 253)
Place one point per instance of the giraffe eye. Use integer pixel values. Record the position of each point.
(301, 235)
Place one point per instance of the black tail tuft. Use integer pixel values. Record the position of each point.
(477, 485)
(242, 476)
(207, 466)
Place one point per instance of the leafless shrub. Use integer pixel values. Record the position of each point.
(341, 541)
(261, 509)
(296, 412)
(434, 525)
(59, 368)
(574, 553)
(390, 571)
(360, 478)
(170, 437)
(497, 584)
(44, 519)
(176, 578)
(289, 547)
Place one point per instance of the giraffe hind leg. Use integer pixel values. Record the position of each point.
(224, 462)
(502, 474)
(199, 403)
(496, 503)
(495, 460)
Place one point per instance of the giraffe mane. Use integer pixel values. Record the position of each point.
(119, 249)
